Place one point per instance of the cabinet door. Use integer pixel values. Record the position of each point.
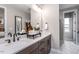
(49, 44)
(35, 51)
(43, 46)
(30, 50)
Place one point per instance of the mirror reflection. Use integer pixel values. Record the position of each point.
(2, 30)
(21, 21)
(18, 24)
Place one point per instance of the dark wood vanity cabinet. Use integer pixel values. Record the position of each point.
(33, 49)
(41, 47)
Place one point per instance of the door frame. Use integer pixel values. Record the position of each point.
(67, 11)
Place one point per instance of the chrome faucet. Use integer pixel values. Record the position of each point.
(14, 36)
(9, 41)
(10, 34)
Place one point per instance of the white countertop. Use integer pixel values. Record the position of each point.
(14, 47)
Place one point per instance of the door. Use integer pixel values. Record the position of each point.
(74, 27)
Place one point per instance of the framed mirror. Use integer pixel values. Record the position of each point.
(2, 22)
(18, 24)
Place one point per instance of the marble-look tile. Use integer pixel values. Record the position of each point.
(67, 48)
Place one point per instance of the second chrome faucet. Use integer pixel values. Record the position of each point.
(14, 37)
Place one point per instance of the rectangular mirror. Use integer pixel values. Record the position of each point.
(2, 22)
(18, 24)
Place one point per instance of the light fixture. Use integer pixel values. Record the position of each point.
(36, 8)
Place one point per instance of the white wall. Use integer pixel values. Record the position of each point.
(51, 16)
(11, 13)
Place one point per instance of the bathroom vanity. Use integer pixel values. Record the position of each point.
(39, 45)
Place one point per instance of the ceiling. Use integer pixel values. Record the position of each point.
(65, 6)
(25, 7)
(22, 7)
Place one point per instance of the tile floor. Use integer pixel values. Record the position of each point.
(67, 48)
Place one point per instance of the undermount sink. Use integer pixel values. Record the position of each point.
(7, 47)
